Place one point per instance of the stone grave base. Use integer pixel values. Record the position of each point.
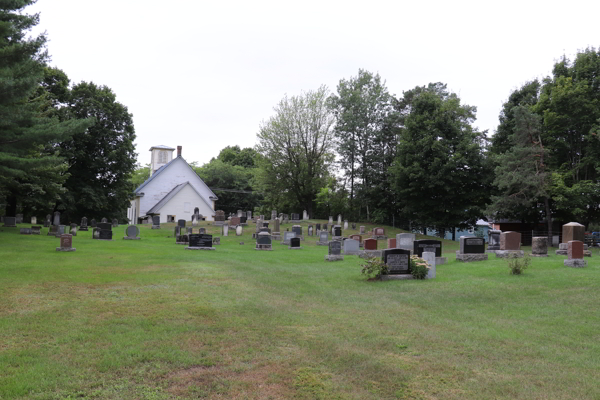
(9, 226)
(575, 263)
(65, 249)
(396, 277)
(216, 241)
(276, 237)
(587, 253)
(369, 254)
(36, 232)
(471, 257)
(266, 247)
(333, 258)
(441, 260)
(337, 238)
(294, 248)
(25, 231)
(104, 240)
(561, 252)
(509, 253)
(491, 249)
(130, 238)
(155, 227)
(351, 253)
(538, 255)
(200, 248)
(322, 243)
(379, 237)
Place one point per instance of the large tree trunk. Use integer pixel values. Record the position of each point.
(11, 206)
(548, 220)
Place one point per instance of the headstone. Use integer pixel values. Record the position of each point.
(104, 234)
(276, 226)
(318, 227)
(297, 229)
(353, 226)
(156, 222)
(430, 245)
(132, 233)
(48, 221)
(103, 220)
(323, 238)
(391, 243)
(379, 233)
(19, 218)
(573, 231)
(36, 230)
(575, 254)
(238, 230)
(287, 236)
(362, 230)
(273, 214)
(325, 228)
(494, 240)
(84, 224)
(195, 220)
(115, 223)
(61, 230)
(200, 242)
(335, 251)
(295, 217)
(240, 213)
(189, 230)
(339, 222)
(216, 241)
(304, 215)
(243, 220)
(249, 215)
(53, 230)
(346, 225)
(219, 218)
(66, 243)
(351, 247)
(397, 260)
(370, 244)
(201, 231)
(33, 220)
(265, 224)
(10, 222)
(196, 211)
(405, 241)
(73, 230)
(357, 237)
(539, 246)
(25, 231)
(330, 220)
(234, 221)
(263, 241)
(337, 232)
(56, 220)
(310, 230)
(181, 223)
(93, 223)
(295, 243)
(471, 249)
(225, 230)
(430, 258)
(510, 245)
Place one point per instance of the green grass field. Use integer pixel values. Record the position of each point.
(148, 320)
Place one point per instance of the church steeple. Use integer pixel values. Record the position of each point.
(161, 155)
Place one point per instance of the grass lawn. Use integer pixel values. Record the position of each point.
(146, 319)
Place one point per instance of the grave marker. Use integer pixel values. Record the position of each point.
(132, 233)
(66, 243)
(335, 251)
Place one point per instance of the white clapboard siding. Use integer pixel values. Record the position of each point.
(176, 206)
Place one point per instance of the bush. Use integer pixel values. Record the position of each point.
(418, 267)
(374, 268)
(518, 265)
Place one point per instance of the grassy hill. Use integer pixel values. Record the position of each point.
(148, 320)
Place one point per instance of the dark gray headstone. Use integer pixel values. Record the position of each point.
(105, 234)
(103, 220)
(335, 248)
(115, 223)
(181, 223)
(263, 238)
(297, 229)
(472, 245)
(156, 220)
(105, 226)
(93, 223)
(323, 236)
(199, 240)
(337, 230)
(19, 218)
(430, 245)
(295, 242)
(10, 222)
(397, 261)
(318, 227)
(56, 220)
(132, 231)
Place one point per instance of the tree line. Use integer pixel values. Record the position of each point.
(63, 147)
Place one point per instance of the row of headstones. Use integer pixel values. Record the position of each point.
(11, 222)
(103, 232)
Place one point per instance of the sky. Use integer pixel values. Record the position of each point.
(205, 75)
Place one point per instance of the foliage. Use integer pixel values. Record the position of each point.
(31, 172)
(374, 267)
(518, 264)
(139, 175)
(441, 174)
(332, 199)
(418, 267)
(294, 148)
(235, 156)
(101, 159)
(366, 140)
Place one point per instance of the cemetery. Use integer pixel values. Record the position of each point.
(117, 288)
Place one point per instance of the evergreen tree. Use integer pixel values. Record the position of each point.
(30, 168)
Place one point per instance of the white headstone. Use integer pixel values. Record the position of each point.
(238, 230)
(345, 225)
(339, 219)
(405, 241)
(225, 230)
(351, 246)
(430, 258)
(330, 219)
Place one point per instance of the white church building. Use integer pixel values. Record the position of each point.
(172, 191)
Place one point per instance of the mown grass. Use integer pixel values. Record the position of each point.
(148, 320)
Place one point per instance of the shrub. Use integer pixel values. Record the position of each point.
(418, 267)
(518, 265)
(374, 268)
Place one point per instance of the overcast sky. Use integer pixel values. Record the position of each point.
(204, 75)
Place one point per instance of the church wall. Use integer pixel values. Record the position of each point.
(176, 173)
(177, 206)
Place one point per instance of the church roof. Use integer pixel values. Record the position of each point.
(162, 147)
(170, 195)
